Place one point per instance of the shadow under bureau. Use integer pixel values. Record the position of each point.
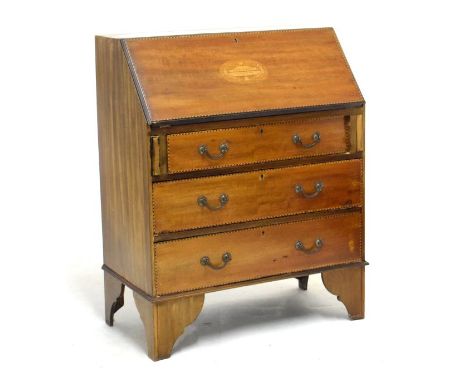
(227, 160)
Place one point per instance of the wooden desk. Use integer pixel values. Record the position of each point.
(227, 160)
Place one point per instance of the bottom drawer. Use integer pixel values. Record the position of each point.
(207, 261)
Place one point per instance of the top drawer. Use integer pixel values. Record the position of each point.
(257, 143)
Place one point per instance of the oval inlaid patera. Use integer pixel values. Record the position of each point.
(243, 71)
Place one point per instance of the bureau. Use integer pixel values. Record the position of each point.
(227, 160)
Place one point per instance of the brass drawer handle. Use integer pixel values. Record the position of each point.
(298, 141)
(223, 149)
(301, 247)
(205, 261)
(318, 189)
(203, 202)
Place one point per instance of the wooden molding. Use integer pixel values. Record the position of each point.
(172, 296)
(242, 122)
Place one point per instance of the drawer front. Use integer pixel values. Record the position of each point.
(203, 202)
(257, 143)
(213, 260)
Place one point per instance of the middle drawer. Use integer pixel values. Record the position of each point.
(216, 200)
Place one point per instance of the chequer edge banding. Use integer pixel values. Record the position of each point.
(224, 34)
(258, 162)
(260, 124)
(336, 162)
(338, 208)
(314, 218)
(136, 81)
(188, 118)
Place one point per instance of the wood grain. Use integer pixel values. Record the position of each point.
(300, 68)
(348, 285)
(125, 169)
(164, 322)
(257, 143)
(256, 253)
(255, 195)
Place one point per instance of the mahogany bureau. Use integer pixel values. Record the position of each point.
(227, 160)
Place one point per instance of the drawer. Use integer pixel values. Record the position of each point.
(219, 259)
(257, 143)
(210, 201)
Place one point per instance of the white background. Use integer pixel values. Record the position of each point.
(410, 60)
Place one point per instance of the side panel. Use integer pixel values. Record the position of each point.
(124, 156)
